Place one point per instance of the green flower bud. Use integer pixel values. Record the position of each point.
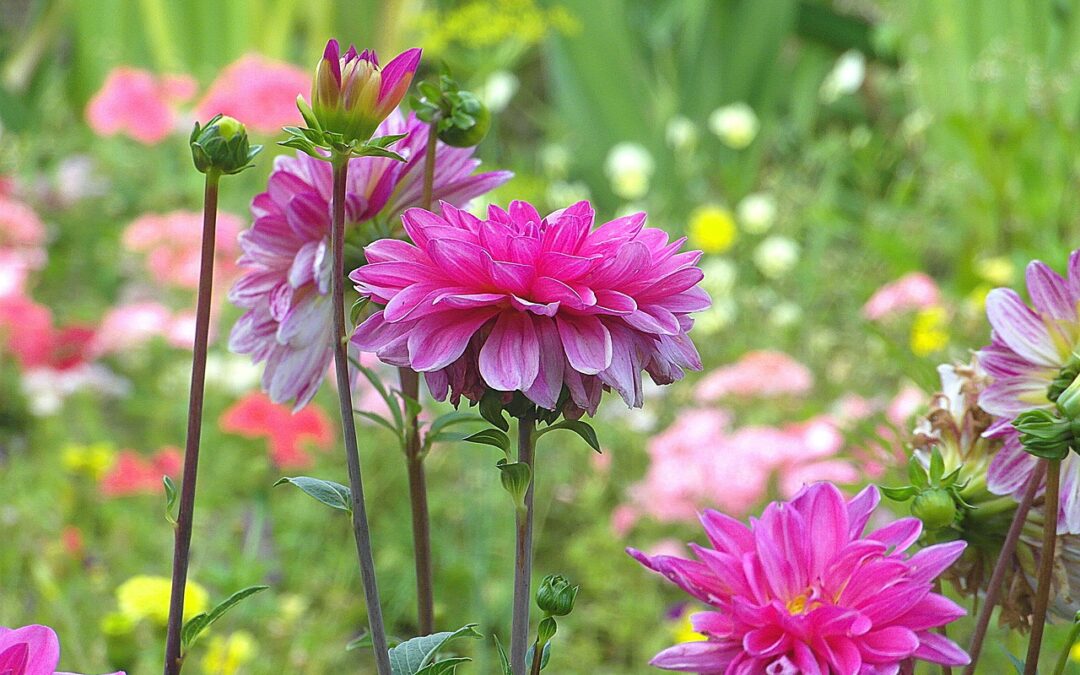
(1068, 401)
(556, 596)
(516, 478)
(467, 125)
(935, 507)
(1066, 377)
(222, 146)
(1045, 434)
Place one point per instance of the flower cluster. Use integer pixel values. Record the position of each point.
(803, 590)
(548, 306)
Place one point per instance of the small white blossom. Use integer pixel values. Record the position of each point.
(736, 125)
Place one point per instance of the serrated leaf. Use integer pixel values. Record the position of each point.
(492, 437)
(332, 494)
(200, 622)
(579, 427)
(412, 656)
(504, 660)
(171, 496)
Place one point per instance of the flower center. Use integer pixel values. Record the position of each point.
(804, 602)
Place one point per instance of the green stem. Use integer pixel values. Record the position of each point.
(348, 425)
(174, 657)
(519, 630)
(1046, 565)
(1063, 659)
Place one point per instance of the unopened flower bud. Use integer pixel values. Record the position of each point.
(1068, 401)
(935, 507)
(556, 596)
(1045, 434)
(352, 94)
(222, 146)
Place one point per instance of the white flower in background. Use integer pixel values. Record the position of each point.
(231, 373)
(757, 212)
(629, 167)
(498, 90)
(45, 389)
(785, 314)
(681, 134)
(718, 317)
(845, 78)
(915, 124)
(720, 277)
(736, 125)
(555, 159)
(562, 192)
(776, 256)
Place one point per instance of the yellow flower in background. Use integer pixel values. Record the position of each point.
(482, 24)
(225, 656)
(999, 270)
(92, 460)
(712, 229)
(147, 597)
(929, 331)
(683, 630)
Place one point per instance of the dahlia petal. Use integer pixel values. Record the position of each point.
(392, 250)
(860, 507)
(1010, 396)
(303, 267)
(308, 215)
(416, 221)
(548, 290)
(696, 657)
(888, 645)
(614, 302)
(926, 564)
(514, 277)
(567, 230)
(510, 358)
(653, 319)
(413, 301)
(565, 266)
(998, 360)
(714, 624)
(436, 344)
(39, 652)
(899, 534)
(461, 258)
(824, 506)
(624, 372)
(693, 577)
(1010, 468)
(941, 650)
(766, 642)
(547, 386)
(842, 654)
(587, 343)
(1069, 505)
(691, 300)
(931, 611)
(626, 265)
(397, 74)
(726, 533)
(1019, 328)
(1049, 292)
(1074, 275)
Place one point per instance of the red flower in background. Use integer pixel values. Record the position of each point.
(27, 332)
(256, 416)
(134, 474)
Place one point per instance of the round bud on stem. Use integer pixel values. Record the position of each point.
(222, 146)
(556, 596)
(935, 507)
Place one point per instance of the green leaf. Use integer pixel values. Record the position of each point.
(451, 419)
(937, 466)
(1016, 663)
(200, 622)
(378, 419)
(516, 478)
(384, 394)
(413, 656)
(545, 656)
(504, 660)
(412, 406)
(445, 666)
(384, 141)
(492, 437)
(171, 496)
(579, 427)
(917, 473)
(899, 494)
(372, 151)
(332, 494)
(357, 309)
(491, 409)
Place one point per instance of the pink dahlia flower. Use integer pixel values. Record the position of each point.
(1029, 349)
(139, 104)
(524, 303)
(258, 91)
(30, 650)
(172, 243)
(802, 590)
(765, 373)
(286, 252)
(914, 290)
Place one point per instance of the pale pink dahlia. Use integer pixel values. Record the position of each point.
(803, 591)
(520, 302)
(1031, 358)
(286, 252)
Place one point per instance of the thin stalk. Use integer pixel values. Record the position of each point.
(1063, 658)
(174, 659)
(421, 522)
(519, 630)
(538, 653)
(1046, 565)
(348, 426)
(997, 578)
(414, 458)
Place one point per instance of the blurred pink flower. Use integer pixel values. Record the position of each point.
(22, 244)
(30, 650)
(914, 290)
(803, 590)
(766, 374)
(135, 474)
(28, 333)
(908, 401)
(521, 302)
(255, 416)
(139, 104)
(128, 326)
(258, 91)
(172, 243)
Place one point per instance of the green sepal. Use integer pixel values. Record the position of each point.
(334, 495)
(516, 478)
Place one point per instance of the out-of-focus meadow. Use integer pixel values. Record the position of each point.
(859, 173)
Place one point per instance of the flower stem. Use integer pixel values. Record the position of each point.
(421, 524)
(348, 424)
(174, 659)
(1046, 565)
(997, 578)
(1063, 659)
(519, 630)
(429, 164)
(537, 661)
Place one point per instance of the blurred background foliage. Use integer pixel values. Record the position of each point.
(888, 136)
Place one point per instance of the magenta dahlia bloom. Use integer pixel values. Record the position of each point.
(520, 302)
(30, 650)
(286, 252)
(1032, 357)
(802, 590)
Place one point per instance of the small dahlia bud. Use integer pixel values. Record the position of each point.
(352, 95)
(1068, 401)
(556, 596)
(222, 146)
(1045, 434)
(935, 507)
